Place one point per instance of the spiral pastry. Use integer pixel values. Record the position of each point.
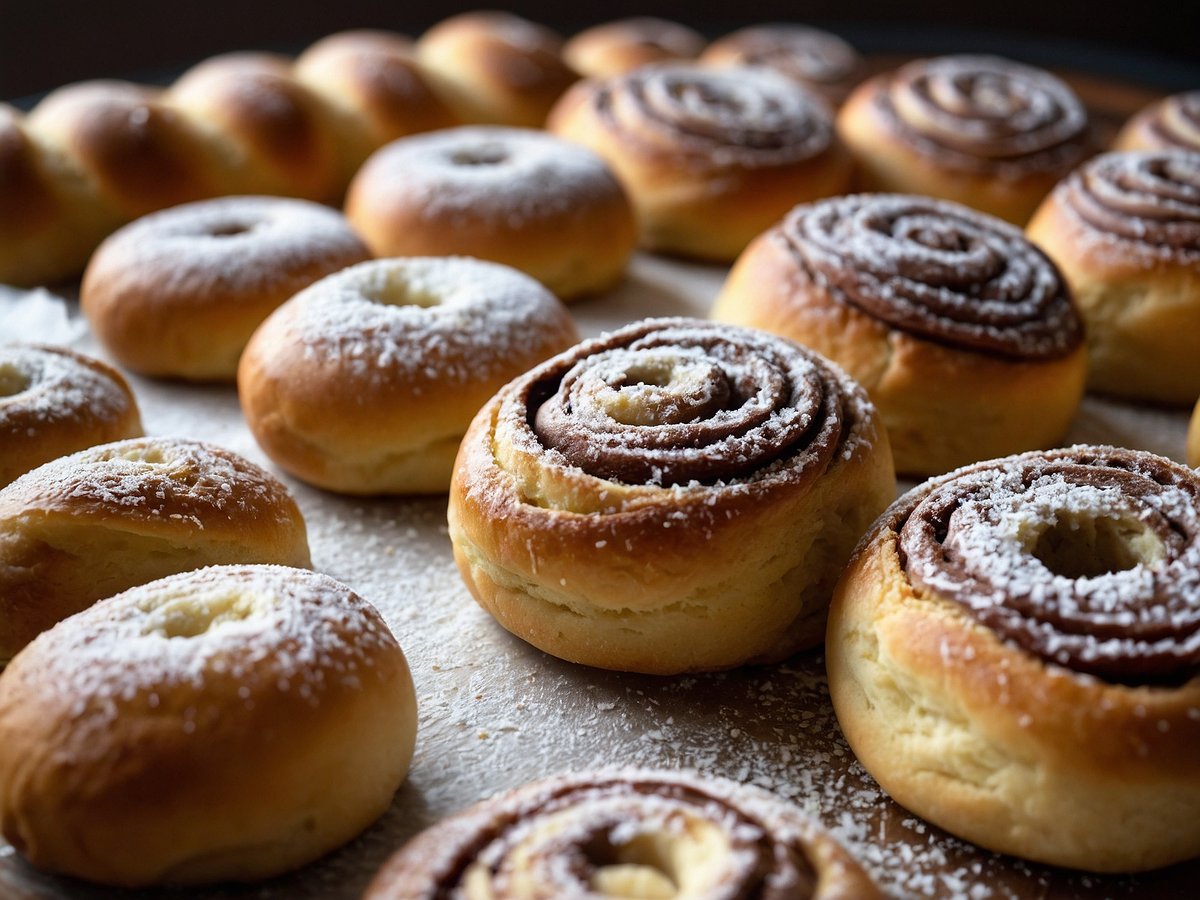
(1014, 653)
(981, 130)
(626, 833)
(626, 44)
(1125, 231)
(675, 496)
(54, 401)
(942, 313)
(1173, 123)
(710, 157)
(94, 523)
(817, 59)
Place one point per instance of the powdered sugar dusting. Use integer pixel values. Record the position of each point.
(42, 386)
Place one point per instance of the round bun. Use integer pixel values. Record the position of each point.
(179, 292)
(102, 520)
(54, 401)
(821, 61)
(221, 725)
(495, 67)
(371, 80)
(1014, 654)
(961, 331)
(524, 198)
(365, 382)
(621, 46)
(710, 157)
(1125, 231)
(979, 130)
(1172, 123)
(627, 833)
(1193, 437)
(676, 496)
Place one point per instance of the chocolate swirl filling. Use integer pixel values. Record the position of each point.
(676, 401)
(1175, 124)
(809, 55)
(936, 270)
(765, 115)
(594, 835)
(1150, 199)
(1088, 558)
(984, 113)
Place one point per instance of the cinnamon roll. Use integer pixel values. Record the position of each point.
(94, 523)
(710, 157)
(1125, 231)
(817, 59)
(962, 332)
(495, 68)
(1173, 123)
(54, 401)
(626, 833)
(675, 496)
(1014, 654)
(981, 130)
(621, 46)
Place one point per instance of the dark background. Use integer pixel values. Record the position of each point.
(46, 43)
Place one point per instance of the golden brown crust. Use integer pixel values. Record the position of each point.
(1125, 231)
(102, 520)
(951, 385)
(54, 401)
(1172, 123)
(226, 724)
(623, 830)
(819, 60)
(932, 128)
(178, 293)
(723, 557)
(552, 209)
(710, 157)
(626, 44)
(991, 741)
(365, 382)
(495, 67)
(1193, 438)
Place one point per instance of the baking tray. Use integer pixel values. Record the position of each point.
(496, 713)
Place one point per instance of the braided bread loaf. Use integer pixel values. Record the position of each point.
(95, 155)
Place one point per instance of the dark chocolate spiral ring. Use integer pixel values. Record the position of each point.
(596, 834)
(985, 113)
(815, 58)
(1149, 199)
(676, 401)
(1087, 557)
(757, 113)
(1170, 124)
(937, 270)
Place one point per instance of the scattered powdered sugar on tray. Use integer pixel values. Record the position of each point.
(496, 713)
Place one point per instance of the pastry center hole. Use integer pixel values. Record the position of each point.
(479, 156)
(1081, 546)
(663, 390)
(229, 229)
(191, 616)
(400, 290)
(12, 380)
(638, 869)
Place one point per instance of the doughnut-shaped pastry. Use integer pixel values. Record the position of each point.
(626, 833)
(620, 46)
(980, 130)
(1125, 230)
(221, 725)
(817, 59)
(178, 293)
(1172, 123)
(88, 525)
(371, 80)
(365, 382)
(54, 401)
(961, 331)
(676, 496)
(710, 157)
(1014, 653)
(495, 68)
(524, 198)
